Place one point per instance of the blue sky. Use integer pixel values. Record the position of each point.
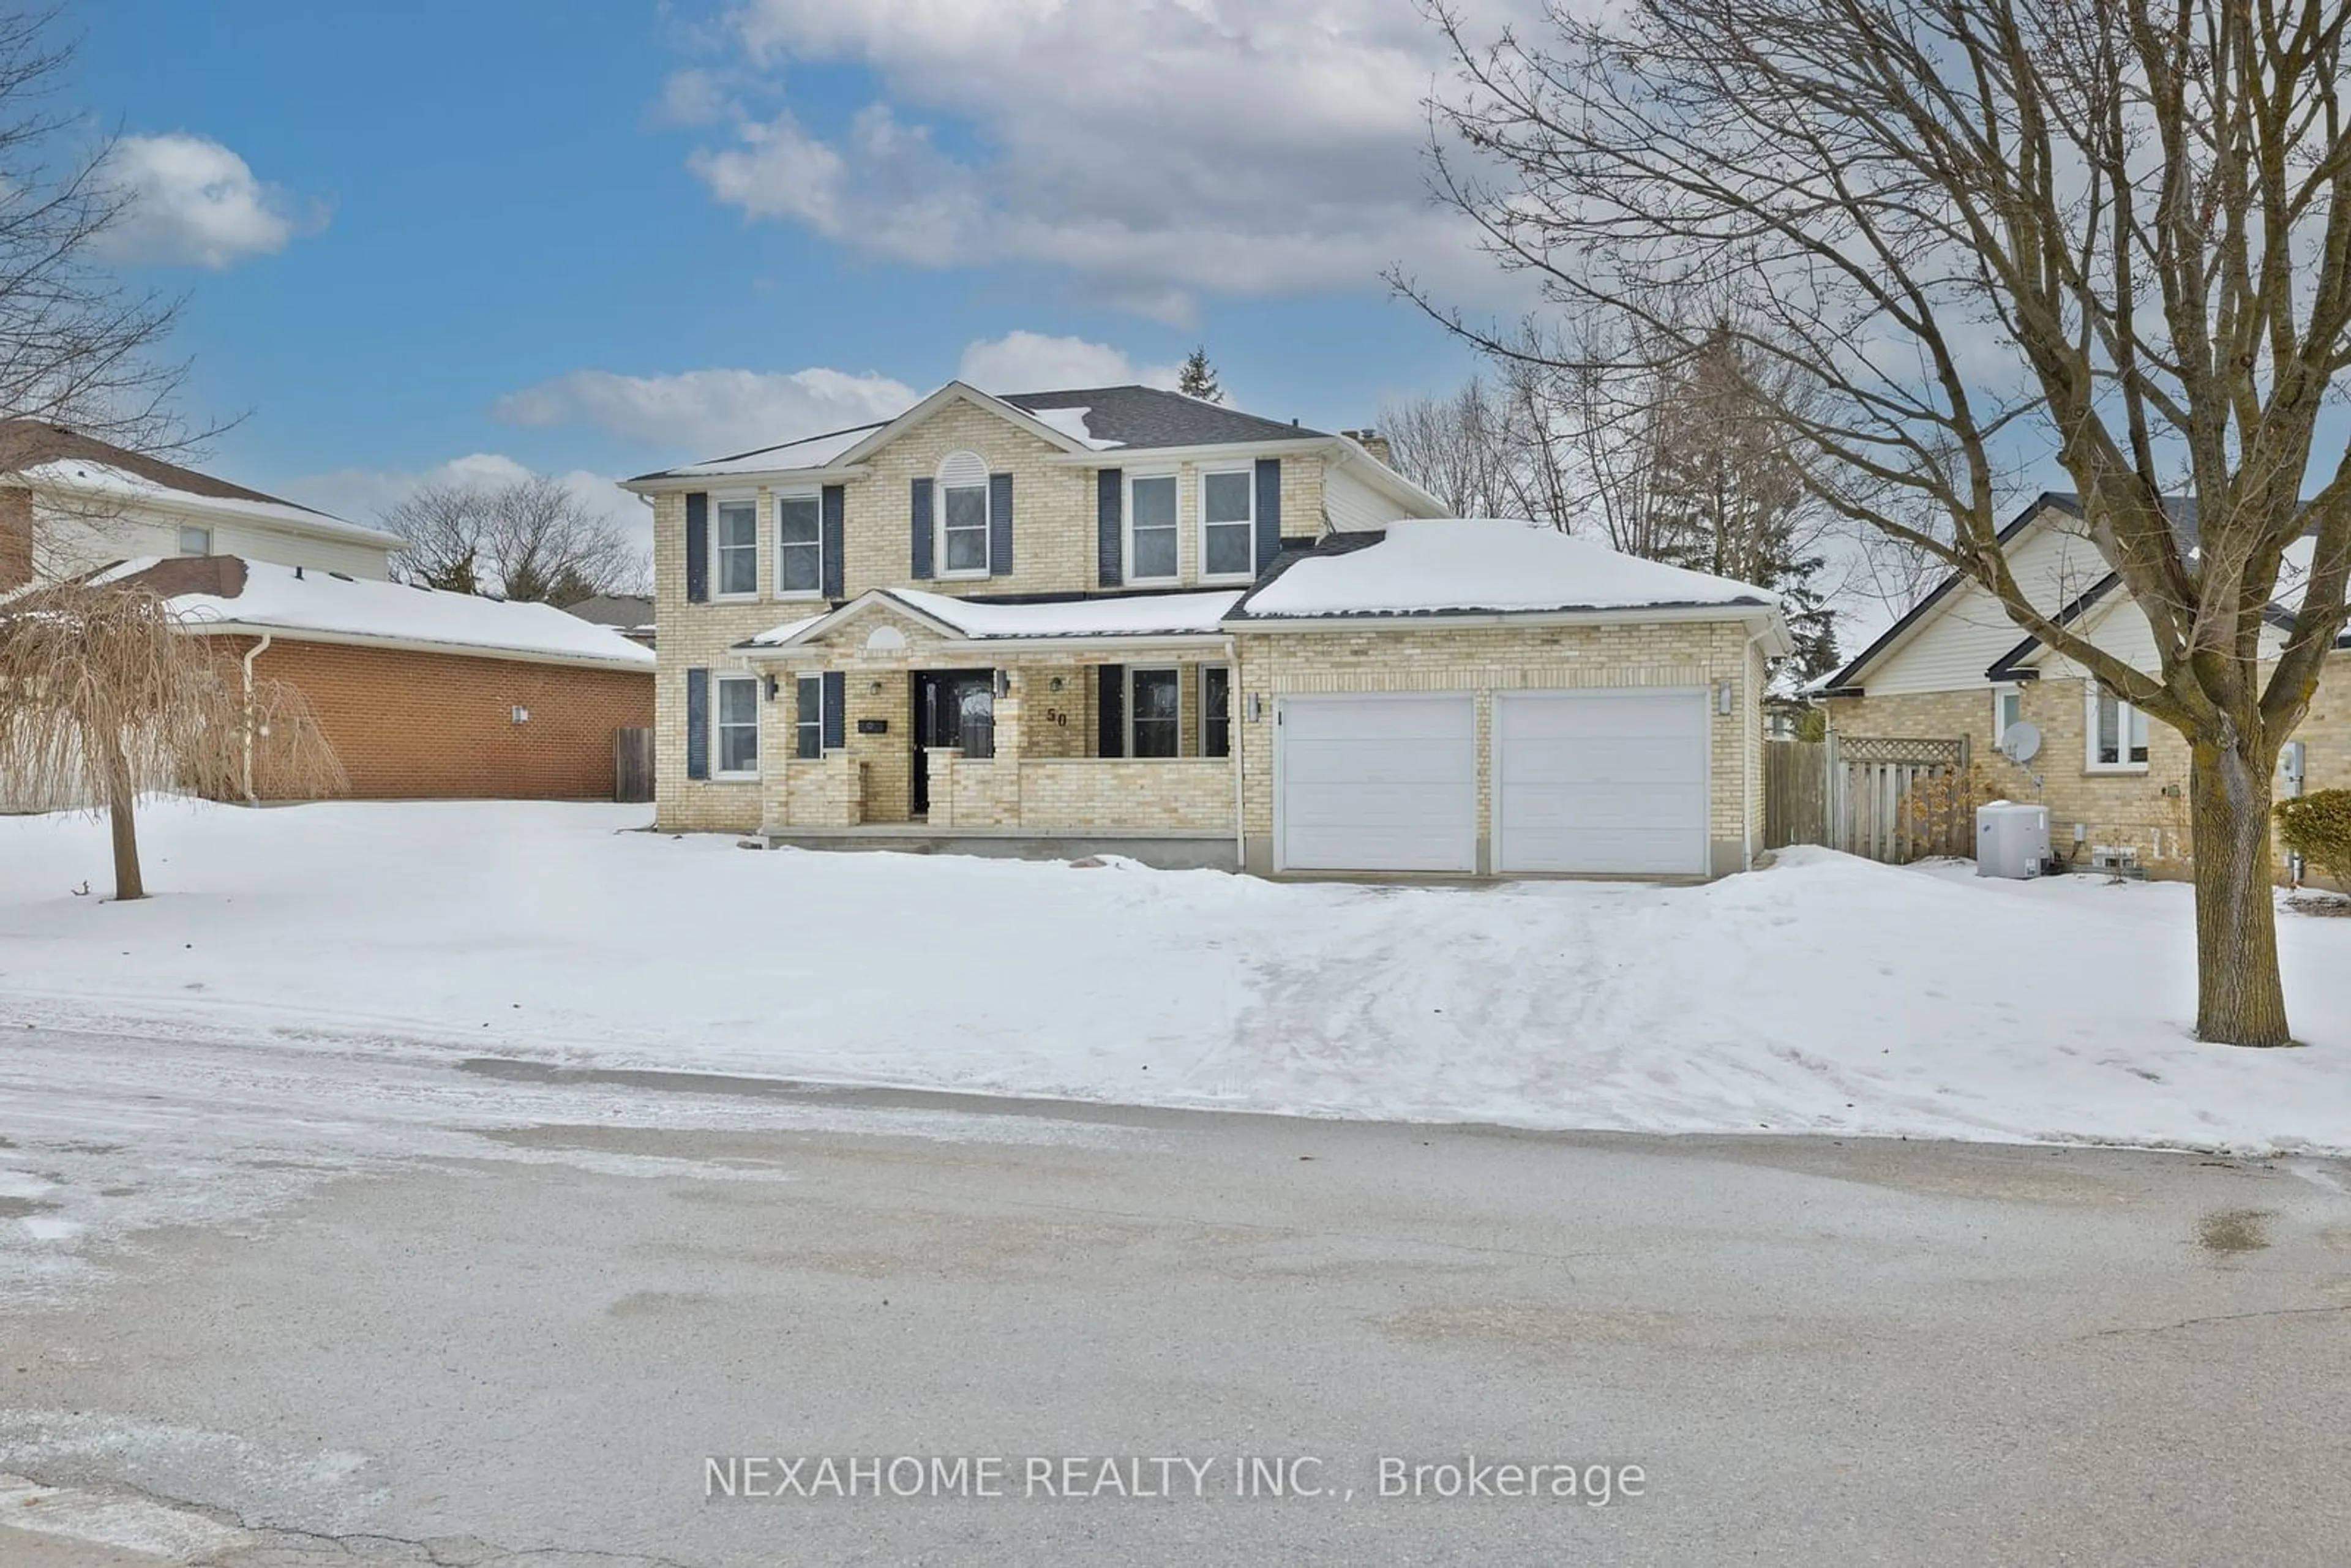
(596, 236)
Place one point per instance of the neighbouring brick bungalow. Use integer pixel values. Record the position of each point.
(1957, 668)
(1121, 618)
(423, 693)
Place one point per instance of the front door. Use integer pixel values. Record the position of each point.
(952, 707)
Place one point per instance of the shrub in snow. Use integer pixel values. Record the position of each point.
(2317, 826)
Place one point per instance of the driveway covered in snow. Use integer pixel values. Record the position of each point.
(282, 1301)
(1826, 995)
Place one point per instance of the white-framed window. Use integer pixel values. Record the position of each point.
(1215, 710)
(735, 546)
(962, 488)
(1151, 528)
(807, 717)
(1228, 524)
(194, 541)
(1154, 713)
(2118, 734)
(800, 547)
(2007, 708)
(737, 727)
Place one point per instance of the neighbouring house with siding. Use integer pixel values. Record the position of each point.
(69, 502)
(422, 694)
(1957, 668)
(1120, 619)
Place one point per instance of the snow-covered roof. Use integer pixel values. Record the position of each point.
(1120, 615)
(1463, 565)
(118, 484)
(1072, 422)
(808, 452)
(1096, 419)
(1124, 615)
(264, 596)
(775, 636)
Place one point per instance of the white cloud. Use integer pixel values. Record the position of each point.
(1032, 361)
(365, 494)
(709, 413)
(696, 97)
(193, 203)
(1257, 147)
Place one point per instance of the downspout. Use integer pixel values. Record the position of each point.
(250, 655)
(1236, 725)
(1747, 780)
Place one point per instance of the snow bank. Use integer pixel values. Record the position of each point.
(1827, 995)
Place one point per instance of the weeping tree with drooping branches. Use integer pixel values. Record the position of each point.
(105, 697)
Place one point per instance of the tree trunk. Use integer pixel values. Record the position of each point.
(121, 795)
(2240, 998)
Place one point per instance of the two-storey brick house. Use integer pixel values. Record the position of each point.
(1054, 622)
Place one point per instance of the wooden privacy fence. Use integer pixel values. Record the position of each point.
(1886, 798)
(632, 764)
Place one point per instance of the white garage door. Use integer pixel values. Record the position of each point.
(1605, 781)
(1378, 783)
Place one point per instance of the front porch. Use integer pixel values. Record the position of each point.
(894, 729)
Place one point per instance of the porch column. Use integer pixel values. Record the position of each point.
(1008, 748)
(1006, 717)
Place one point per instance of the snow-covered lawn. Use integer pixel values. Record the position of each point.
(1827, 994)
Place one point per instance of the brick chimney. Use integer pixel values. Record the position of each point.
(1372, 442)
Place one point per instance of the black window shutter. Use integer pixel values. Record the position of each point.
(697, 547)
(1000, 524)
(1269, 511)
(1110, 504)
(921, 567)
(697, 723)
(836, 709)
(832, 530)
(1111, 742)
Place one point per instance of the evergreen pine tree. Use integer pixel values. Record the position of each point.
(1729, 495)
(1198, 378)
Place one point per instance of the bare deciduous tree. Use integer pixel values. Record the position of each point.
(78, 348)
(1450, 445)
(104, 697)
(531, 539)
(1682, 463)
(2119, 230)
(76, 345)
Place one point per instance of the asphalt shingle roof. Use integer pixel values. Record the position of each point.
(1150, 416)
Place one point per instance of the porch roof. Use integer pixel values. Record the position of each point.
(1104, 620)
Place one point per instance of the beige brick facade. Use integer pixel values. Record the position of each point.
(2146, 810)
(1046, 776)
(1489, 659)
(1055, 550)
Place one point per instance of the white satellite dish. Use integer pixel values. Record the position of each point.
(2021, 742)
